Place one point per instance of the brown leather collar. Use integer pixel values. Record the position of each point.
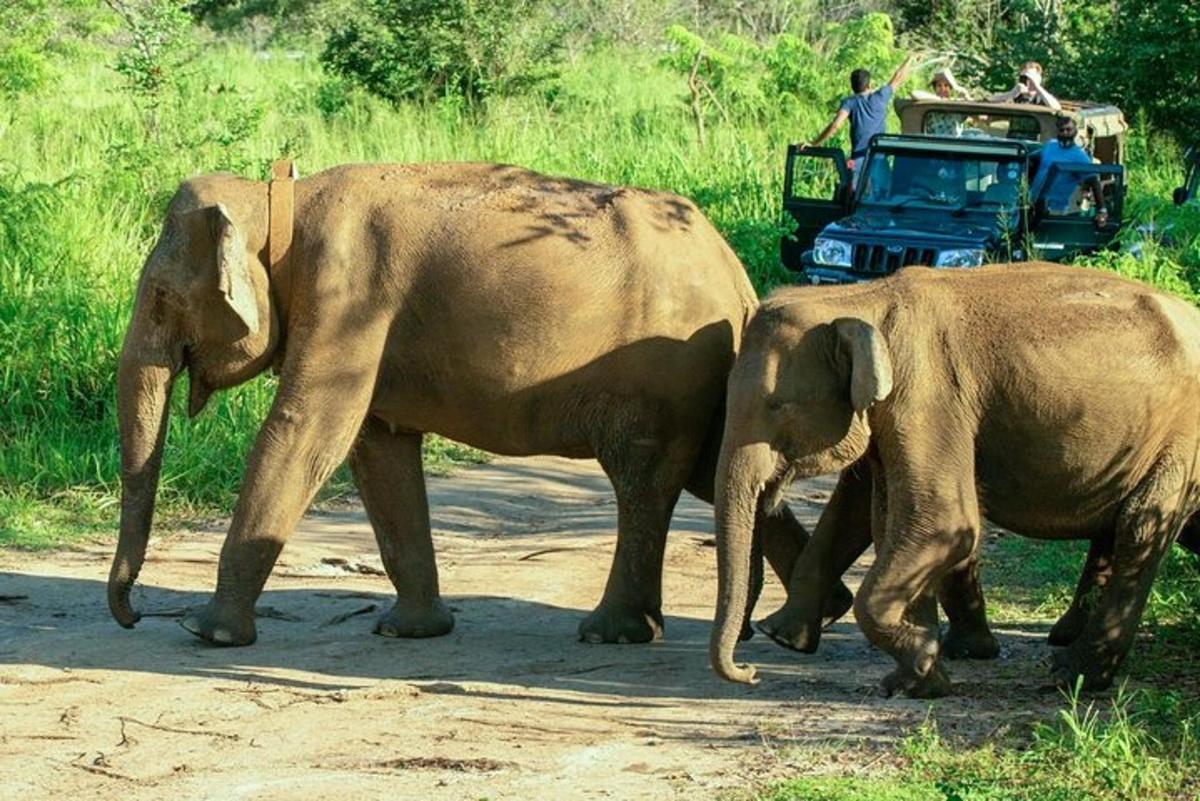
(281, 205)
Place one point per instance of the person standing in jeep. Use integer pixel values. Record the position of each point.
(866, 110)
(1029, 89)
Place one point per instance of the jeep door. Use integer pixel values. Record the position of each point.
(1060, 234)
(816, 192)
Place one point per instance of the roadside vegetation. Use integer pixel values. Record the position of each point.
(105, 108)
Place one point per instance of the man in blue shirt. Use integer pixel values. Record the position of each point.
(866, 110)
(1065, 150)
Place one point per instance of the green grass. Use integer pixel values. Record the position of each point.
(1142, 746)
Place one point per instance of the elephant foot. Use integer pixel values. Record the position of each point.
(934, 684)
(1068, 667)
(977, 643)
(791, 627)
(407, 621)
(608, 623)
(837, 603)
(221, 626)
(1068, 627)
(787, 630)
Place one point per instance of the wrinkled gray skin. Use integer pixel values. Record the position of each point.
(514, 312)
(1063, 401)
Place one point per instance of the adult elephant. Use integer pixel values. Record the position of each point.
(518, 313)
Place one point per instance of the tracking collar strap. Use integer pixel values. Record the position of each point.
(281, 205)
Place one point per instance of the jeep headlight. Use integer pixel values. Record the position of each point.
(966, 257)
(831, 252)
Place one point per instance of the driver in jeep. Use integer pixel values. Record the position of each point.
(1058, 195)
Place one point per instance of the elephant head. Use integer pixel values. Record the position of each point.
(798, 396)
(203, 304)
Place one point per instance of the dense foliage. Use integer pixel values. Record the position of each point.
(420, 49)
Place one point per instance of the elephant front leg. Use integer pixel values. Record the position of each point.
(816, 594)
(895, 606)
(306, 435)
(387, 471)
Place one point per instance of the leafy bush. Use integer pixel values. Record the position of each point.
(785, 76)
(159, 32)
(406, 49)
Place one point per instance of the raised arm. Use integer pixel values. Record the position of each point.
(833, 127)
(901, 74)
(1050, 100)
(1005, 97)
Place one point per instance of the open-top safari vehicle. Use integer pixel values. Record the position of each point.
(951, 190)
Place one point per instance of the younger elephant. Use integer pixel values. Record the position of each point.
(1063, 401)
(512, 311)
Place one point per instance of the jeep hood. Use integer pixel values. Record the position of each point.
(926, 228)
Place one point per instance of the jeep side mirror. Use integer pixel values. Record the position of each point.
(1181, 195)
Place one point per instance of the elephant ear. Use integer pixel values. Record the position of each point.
(234, 288)
(870, 361)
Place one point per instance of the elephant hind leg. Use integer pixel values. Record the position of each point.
(647, 479)
(968, 636)
(1146, 526)
(387, 470)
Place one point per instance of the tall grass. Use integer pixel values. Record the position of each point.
(85, 174)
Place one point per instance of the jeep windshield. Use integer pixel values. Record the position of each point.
(943, 177)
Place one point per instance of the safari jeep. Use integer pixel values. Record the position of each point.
(951, 190)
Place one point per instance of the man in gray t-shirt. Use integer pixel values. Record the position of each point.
(866, 110)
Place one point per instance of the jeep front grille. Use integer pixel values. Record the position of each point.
(884, 259)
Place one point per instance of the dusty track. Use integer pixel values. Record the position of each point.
(508, 705)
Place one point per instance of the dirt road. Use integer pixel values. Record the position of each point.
(508, 706)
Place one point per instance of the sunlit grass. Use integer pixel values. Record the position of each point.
(1141, 746)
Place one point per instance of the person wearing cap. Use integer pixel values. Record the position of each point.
(942, 87)
(1029, 89)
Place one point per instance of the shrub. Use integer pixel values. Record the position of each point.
(418, 49)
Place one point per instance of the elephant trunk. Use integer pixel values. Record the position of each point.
(742, 472)
(144, 381)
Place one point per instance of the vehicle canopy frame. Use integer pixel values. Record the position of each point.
(1102, 127)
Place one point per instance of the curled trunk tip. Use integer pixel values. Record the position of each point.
(120, 585)
(726, 668)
